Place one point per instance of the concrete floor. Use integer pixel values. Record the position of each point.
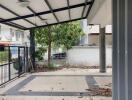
(65, 84)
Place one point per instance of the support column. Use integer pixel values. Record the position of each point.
(102, 50)
(32, 47)
(128, 35)
(121, 48)
(114, 52)
(122, 70)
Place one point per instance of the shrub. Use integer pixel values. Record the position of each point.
(3, 56)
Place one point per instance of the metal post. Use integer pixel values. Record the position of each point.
(122, 70)
(121, 48)
(19, 70)
(114, 53)
(26, 59)
(9, 60)
(32, 47)
(102, 50)
(128, 50)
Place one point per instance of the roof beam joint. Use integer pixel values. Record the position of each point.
(48, 4)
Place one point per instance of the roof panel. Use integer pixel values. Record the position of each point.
(36, 20)
(5, 14)
(38, 5)
(15, 6)
(73, 2)
(23, 23)
(63, 15)
(58, 3)
(76, 12)
(50, 18)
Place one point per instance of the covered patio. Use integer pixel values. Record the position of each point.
(30, 14)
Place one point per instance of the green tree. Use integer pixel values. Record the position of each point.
(63, 35)
(68, 34)
(44, 38)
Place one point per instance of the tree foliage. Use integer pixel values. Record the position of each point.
(62, 35)
(68, 35)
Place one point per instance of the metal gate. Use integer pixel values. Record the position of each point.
(13, 62)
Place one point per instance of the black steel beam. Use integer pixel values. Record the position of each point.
(56, 23)
(35, 14)
(14, 25)
(89, 9)
(45, 12)
(7, 9)
(69, 12)
(84, 8)
(48, 4)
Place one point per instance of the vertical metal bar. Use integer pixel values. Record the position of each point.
(19, 62)
(24, 60)
(9, 60)
(2, 74)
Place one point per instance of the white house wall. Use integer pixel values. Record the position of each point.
(7, 36)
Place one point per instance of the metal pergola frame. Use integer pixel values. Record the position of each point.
(11, 21)
(50, 11)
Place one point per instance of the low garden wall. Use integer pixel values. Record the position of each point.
(87, 56)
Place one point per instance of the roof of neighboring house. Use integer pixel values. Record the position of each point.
(5, 43)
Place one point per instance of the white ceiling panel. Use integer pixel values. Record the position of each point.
(62, 15)
(15, 7)
(50, 18)
(76, 12)
(23, 23)
(39, 5)
(5, 14)
(74, 2)
(58, 3)
(36, 20)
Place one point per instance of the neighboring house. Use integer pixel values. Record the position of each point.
(92, 33)
(94, 39)
(13, 36)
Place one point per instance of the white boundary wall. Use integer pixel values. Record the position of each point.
(87, 55)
